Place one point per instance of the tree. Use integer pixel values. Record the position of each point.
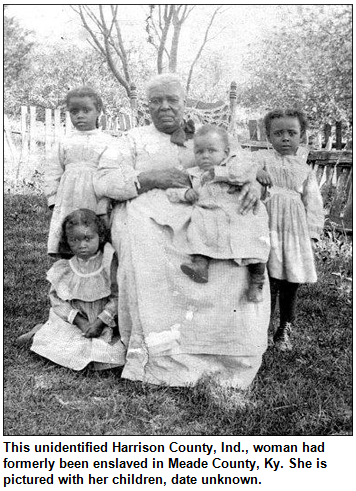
(307, 64)
(17, 47)
(163, 25)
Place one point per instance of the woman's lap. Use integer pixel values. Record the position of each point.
(177, 330)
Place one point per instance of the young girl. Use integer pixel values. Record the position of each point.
(215, 229)
(69, 176)
(83, 298)
(295, 208)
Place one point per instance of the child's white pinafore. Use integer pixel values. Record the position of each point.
(84, 287)
(295, 209)
(69, 178)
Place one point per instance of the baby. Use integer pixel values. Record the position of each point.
(215, 230)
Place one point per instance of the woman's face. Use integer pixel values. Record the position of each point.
(166, 104)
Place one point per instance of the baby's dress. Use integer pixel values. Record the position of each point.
(214, 228)
(89, 288)
(69, 178)
(295, 209)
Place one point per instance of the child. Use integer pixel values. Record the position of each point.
(83, 298)
(215, 229)
(69, 177)
(295, 210)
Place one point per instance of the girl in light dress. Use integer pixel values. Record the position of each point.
(69, 175)
(83, 296)
(214, 229)
(296, 218)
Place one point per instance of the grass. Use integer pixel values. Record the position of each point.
(306, 392)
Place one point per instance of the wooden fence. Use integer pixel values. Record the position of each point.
(333, 168)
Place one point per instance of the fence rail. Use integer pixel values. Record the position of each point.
(333, 168)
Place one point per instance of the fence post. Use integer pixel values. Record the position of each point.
(48, 131)
(32, 131)
(57, 124)
(68, 127)
(233, 102)
(327, 134)
(23, 123)
(133, 104)
(253, 129)
(338, 135)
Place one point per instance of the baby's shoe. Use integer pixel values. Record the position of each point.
(282, 337)
(197, 270)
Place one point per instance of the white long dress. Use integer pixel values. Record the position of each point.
(295, 209)
(174, 330)
(69, 179)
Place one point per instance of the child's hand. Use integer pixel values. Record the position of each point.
(264, 178)
(94, 329)
(313, 244)
(191, 195)
(106, 219)
(81, 322)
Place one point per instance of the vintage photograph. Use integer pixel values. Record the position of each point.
(177, 220)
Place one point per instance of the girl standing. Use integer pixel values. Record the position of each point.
(296, 218)
(69, 176)
(83, 298)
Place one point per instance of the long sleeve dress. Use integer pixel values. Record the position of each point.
(90, 289)
(174, 330)
(295, 209)
(214, 228)
(69, 179)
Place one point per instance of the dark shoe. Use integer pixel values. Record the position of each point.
(254, 293)
(282, 337)
(197, 271)
(25, 339)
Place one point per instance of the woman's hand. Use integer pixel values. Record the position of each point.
(163, 179)
(248, 199)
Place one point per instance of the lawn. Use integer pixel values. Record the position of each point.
(305, 392)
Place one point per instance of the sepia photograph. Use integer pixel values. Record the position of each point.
(177, 220)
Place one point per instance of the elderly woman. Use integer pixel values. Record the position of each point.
(174, 330)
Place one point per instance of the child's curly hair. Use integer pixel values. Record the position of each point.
(85, 91)
(86, 217)
(286, 113)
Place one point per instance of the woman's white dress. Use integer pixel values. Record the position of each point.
(174, 330)
(69, 179)
(295, 209)
(89, 288)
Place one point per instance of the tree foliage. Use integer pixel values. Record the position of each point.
(17, 48)
(307, 64)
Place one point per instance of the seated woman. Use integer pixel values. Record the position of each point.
(174, 330)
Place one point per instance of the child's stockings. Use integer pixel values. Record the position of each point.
(287, 306)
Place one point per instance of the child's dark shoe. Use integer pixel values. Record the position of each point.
(281, 339)
(26, 339)
(198, 271)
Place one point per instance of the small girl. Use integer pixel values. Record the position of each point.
(296, 218)
(83, 298)
(69, 176)
(215, 229)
